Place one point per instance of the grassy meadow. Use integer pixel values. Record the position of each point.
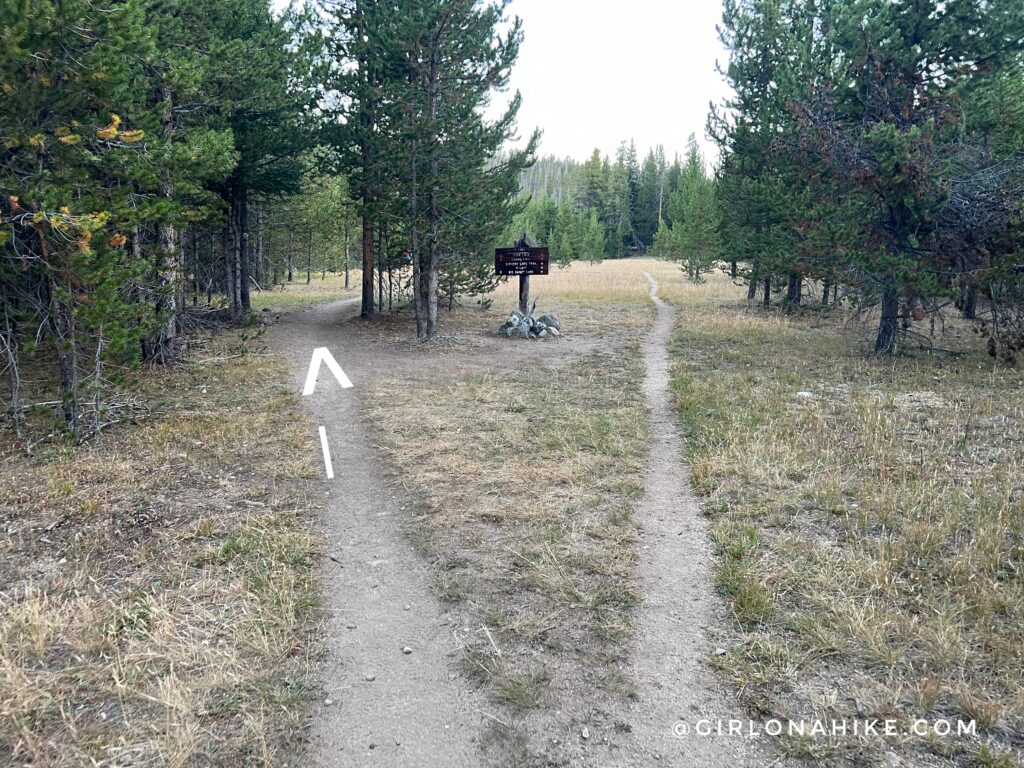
(527, 476)
(869, 521)
(299, 293)
(868, 515)
(159, 601)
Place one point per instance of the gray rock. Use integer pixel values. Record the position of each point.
(550, 320)
(529, 326)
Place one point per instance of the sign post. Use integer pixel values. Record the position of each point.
(524, 259)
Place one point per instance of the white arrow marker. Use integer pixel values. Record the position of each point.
(323, 355)
(327, 453)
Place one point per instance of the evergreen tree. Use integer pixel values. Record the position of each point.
(750, 178)
(895, 130)
(649, 191)
(692, 240)
(73, 80)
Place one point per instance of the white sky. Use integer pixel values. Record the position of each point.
(596, 72)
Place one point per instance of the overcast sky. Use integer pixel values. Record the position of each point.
(597, 72)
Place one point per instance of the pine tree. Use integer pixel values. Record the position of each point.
(895, 129)
(648, 196)
(692, 240)
(73, 80)
(262, 101)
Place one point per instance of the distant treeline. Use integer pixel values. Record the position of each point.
(602, 207)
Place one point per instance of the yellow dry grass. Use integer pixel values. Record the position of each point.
(870, 524)
(298, 293)
(158, 585)
(527, 481)
(617, 282)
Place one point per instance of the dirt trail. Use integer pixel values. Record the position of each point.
(418, 710)
(680, 615)
(415, 711)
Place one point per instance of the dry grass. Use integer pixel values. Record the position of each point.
(615, 283)
(298, 294)
(608, 298)
(871, 534)
(158, 588)
(527, 481)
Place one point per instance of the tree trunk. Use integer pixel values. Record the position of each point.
(163, 348)
(752, 285)
(414, 246)
(432, 203)
(418, 291)
(243, 253)
(209, 274)
(970, 301)
(236, 268)
(767, 291)
(229, 264)
(62, 324)
(381, 250)
(309, 259)
(9, 338)
(368, 222)
(367, 300)
(261, 272)
(732, 270)
(885, 343)
(275, 272)
(195, 266)
(794, 290)
(432, 297)
(346, 255)
(289, 246)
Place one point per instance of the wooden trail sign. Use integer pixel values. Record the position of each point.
(520, 261)
(524, 259)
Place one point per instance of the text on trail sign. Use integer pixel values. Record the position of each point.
(520, 261)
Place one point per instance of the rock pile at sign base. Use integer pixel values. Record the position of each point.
(530, 326)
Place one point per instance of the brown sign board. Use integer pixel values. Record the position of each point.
(520, 261)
